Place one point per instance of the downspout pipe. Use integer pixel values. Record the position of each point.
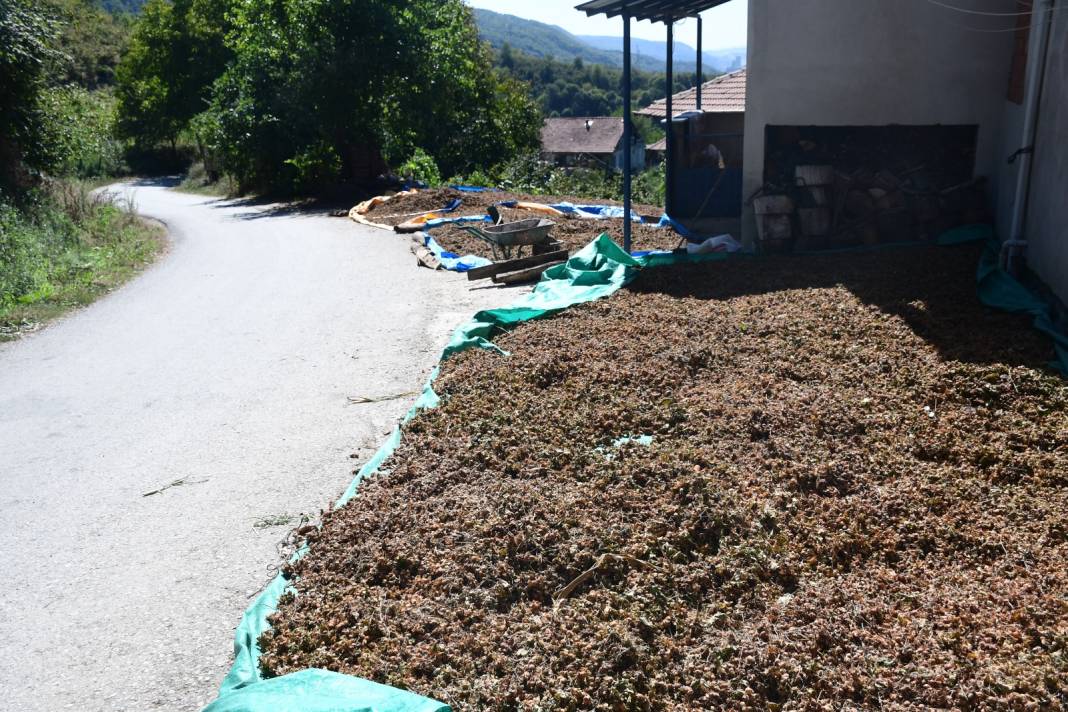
(700, 57)
(669, 79)
(628, 145)
(1013, 250)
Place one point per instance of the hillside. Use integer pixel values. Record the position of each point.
(118, 6)
(538, 39)
(721, 60)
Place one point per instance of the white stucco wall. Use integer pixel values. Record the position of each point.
(637, 157)
(875, 62)
(1047, 212)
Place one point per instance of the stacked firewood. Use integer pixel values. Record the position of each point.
(835, 208)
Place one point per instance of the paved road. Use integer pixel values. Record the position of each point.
(228, 366)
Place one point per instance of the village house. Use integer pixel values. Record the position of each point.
(590, 142)
(891, 121)
(978, 87)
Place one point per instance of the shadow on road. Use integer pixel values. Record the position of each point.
(157, 182)
(273, 206)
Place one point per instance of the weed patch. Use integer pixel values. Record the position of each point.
(65, 247)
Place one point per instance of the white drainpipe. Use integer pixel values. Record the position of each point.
(1041, 24)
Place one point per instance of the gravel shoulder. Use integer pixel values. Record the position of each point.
(220, 376)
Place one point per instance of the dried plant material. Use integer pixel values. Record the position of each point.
(854, 498)
(573, 233)
(392, 212)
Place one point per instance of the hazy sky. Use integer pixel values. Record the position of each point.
(725, 26)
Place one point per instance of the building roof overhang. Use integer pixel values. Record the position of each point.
(652, 10)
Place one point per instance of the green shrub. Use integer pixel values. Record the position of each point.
(81, 124)
(422, 167)
(525, 173)
(313, 168)
(649, 185)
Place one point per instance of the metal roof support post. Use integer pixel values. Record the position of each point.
(700, 57)
(627, 142)
(669, 171)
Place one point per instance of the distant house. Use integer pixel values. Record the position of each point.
(593, 142)
(723, 98)
(724, 94)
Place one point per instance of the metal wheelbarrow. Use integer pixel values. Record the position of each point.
(514, 235)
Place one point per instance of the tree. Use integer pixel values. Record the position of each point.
(176, 52)
(316, 85)
(90, 43)
(25, 54)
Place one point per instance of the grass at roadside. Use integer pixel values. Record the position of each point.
(63, 247)
(198, 182)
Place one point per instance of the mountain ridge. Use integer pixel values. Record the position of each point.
(541, 39)
(721, 60)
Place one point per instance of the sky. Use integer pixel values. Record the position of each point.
(725, 26)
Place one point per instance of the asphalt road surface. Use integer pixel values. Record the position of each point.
(225, 371)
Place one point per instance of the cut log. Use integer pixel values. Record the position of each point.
(524, 275)
(514, 265)
(425, 257)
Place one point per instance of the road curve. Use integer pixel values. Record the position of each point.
(227, 368)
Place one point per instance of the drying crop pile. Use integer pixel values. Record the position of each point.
(573, 233)
(855, 497)
(401, 208)
(475, 204)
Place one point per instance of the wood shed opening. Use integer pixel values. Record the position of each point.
(846, 186)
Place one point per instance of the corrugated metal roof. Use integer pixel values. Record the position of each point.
(725, 93)
(587, 134)
(654, 10)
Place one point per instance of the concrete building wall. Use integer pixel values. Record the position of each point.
(1047, 210)
(875, 62)
(637, 157)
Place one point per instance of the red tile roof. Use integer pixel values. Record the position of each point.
(725, 93)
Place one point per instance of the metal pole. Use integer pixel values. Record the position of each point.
(627, 145)
(670, 141)
(700, 58)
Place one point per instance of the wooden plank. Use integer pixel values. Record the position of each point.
(513, 265)
(547, 247)
(524, 275)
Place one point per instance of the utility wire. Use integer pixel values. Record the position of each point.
(966, 11)
(1030, 13)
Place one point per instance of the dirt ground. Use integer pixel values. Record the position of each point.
(400, 209)
(854, 497)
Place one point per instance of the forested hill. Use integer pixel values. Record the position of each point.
(578, 88)
(120, 6)
(722, 60)
(538, 39)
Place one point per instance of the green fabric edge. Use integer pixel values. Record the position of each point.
(597, 271)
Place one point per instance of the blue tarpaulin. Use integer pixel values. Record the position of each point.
(597, 212)
(451, 260)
